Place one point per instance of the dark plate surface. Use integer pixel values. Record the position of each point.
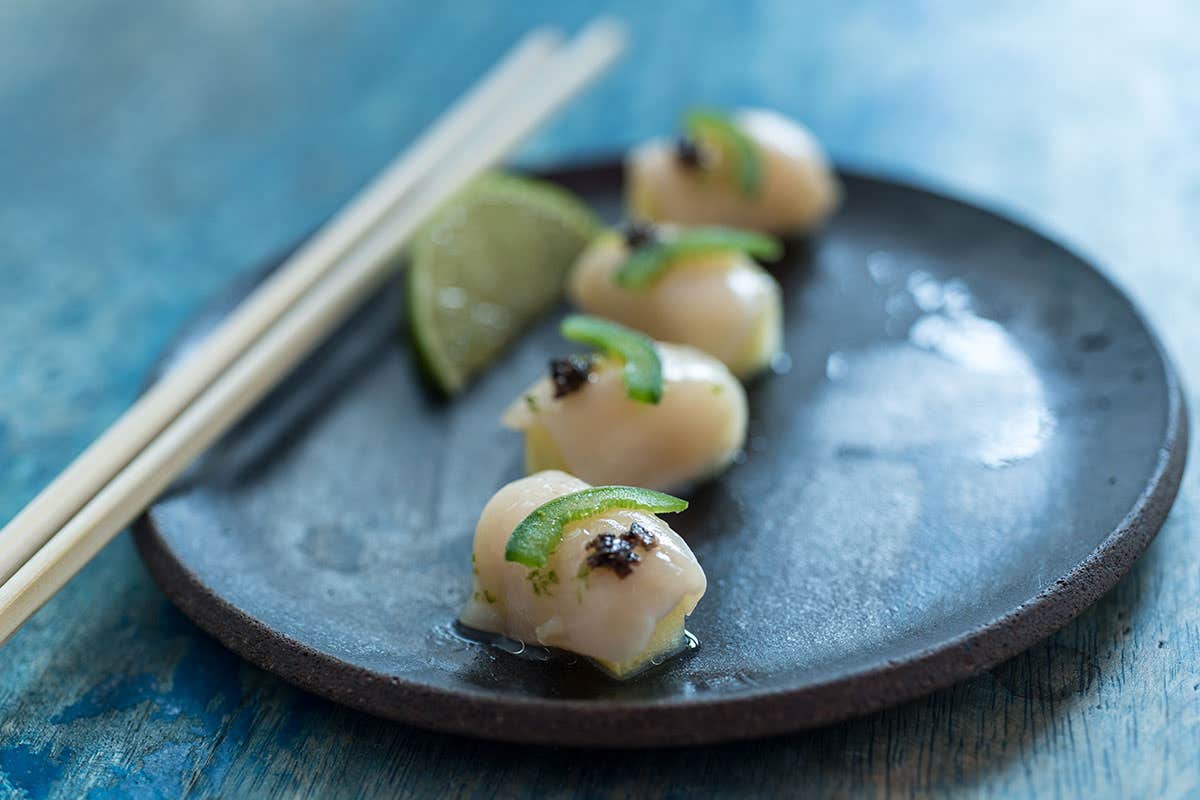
(976, 436)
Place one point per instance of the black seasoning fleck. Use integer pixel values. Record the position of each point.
(688, 153)
(639, 234)
(617, 552)
(614, 552)
(569, 374)
(643, 537)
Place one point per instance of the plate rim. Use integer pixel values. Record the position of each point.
(747, 714)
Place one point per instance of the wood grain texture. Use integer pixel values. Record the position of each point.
(151, 152)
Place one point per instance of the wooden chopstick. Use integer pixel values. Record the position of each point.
(34, 525)
(292, 337)
(97, 465)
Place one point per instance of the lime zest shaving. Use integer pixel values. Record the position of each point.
(536, 537)
(645, 264)
(738, 151)
(642, 370)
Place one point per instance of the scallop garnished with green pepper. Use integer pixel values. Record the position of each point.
(637, 412)
(751, 169)
(592, 570)
(695, 286)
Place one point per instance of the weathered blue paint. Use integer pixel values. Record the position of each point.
(151, 152)
(35, 771)
(115, 694)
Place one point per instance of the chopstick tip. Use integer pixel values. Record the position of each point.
(609, 33)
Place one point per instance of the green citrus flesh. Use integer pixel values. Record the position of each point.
(536, 537)
(642, 369)
(647, 263)
(488, 263)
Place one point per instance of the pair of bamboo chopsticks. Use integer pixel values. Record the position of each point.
(121, 473)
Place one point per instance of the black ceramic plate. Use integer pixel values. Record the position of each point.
(975, 437)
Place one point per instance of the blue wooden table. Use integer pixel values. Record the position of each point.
(151, 152)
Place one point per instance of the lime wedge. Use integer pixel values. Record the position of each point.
(492, 260)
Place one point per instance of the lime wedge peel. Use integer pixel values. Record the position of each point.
(648, 262)
(489, 262)
(642, 370)
(536, 537)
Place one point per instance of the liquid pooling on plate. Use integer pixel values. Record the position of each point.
(538, 653)
(986, 371)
